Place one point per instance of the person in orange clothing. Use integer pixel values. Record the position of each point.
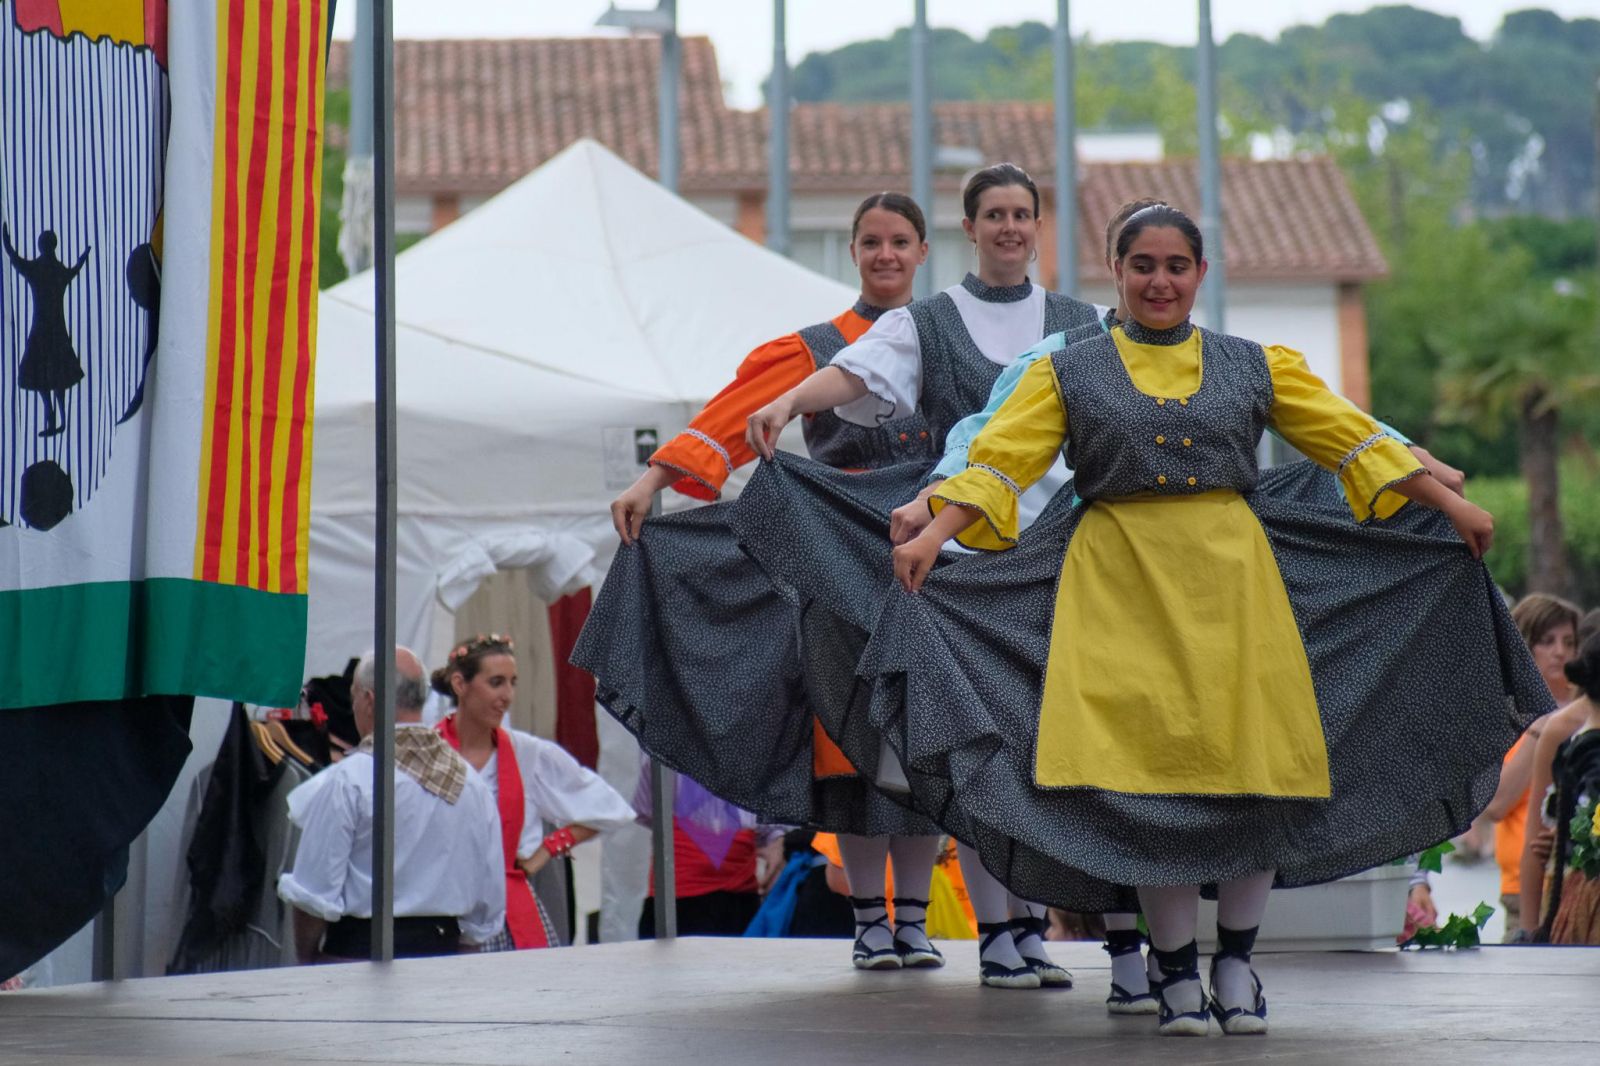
(888, 242)
(1549, 624)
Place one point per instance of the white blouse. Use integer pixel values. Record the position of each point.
(556, 788)
(888, 357)
(447, 857)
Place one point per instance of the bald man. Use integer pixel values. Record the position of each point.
(449, 888)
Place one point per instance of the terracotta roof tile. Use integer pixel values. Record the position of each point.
(472, 116)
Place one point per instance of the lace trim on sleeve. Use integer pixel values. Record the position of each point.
(1358, 449)
(727, 460)
(1016, 490)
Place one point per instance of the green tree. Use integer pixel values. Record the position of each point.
(335, 119)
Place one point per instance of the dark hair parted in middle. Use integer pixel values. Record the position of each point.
(1125, 212)
(995, 177)
(900, 204)
(1155, 216)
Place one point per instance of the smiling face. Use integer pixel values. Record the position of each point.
(1005, 232)
(887, 252)
(1158, 277)
(486, 698)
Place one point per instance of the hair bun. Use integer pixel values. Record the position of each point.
(439, 681)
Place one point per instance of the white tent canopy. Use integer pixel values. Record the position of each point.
(583, 299)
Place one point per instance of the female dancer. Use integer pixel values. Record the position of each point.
(1572, 909)
(536, 781)
(749, 741)
(936, 360)
(1189, 682)
(1548, 741)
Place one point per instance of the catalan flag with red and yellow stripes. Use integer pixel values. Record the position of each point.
(154, 492)
(255, 459)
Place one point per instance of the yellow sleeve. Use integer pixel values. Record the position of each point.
(1015, 449)
(1338, 435)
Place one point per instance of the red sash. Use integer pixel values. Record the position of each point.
(522, 913)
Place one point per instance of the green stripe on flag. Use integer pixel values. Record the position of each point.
(163, 636)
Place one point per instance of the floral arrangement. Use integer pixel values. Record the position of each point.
(1585, 833)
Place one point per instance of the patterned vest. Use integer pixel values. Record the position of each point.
(1124, 442)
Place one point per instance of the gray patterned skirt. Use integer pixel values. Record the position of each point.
(694, 649)
(1421, 679)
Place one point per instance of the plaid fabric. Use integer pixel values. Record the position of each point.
(502, 941)
(429, 759)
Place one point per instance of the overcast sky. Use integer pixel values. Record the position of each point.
(742, 29)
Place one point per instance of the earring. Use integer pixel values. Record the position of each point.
(1034, 258)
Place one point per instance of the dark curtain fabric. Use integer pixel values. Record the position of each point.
(227, 857)
(575, 726)
(78, 782)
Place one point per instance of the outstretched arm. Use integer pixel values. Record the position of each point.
(11, 249)
(82, 259)
(1015, 449)
(828, 387)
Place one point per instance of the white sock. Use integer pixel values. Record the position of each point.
(864, 859)
(1235, 986)
(913, 859)
(1240, 905)
(1127, 969)
(991, 906)
(1030, 945)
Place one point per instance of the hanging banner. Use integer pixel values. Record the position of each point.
(161, 167)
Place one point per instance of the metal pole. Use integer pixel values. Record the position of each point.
(778, 137)
(922, 138)
(662, 780)
(1066, 155)
(103, 966)
(1216, 284)
(383, 607)
(671, 62)
(663, 793)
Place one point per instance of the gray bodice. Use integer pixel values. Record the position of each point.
(845, 445)
(1124, 442)
(956, 376)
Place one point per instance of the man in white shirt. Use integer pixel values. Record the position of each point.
(449, 888)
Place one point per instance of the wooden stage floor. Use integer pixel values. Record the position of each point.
(701, 1002)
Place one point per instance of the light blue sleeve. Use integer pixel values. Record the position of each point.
(1395, 433)
(966, 431)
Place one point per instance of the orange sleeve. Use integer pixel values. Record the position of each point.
(713, 446)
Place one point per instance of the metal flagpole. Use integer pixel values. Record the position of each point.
(383, 607)
(663, 781)
(922, 138)
(778, 137)
(1066, 156)
(1216, 283)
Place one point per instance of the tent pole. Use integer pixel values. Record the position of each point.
(384, 605)
(778, 136)
(663, 781)
(1066, 157)
(922, 139)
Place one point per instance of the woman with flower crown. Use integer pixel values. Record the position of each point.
(534, 781)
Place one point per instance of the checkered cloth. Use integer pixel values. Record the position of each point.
(429, 759)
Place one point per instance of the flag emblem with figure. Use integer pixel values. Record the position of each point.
(157, 328)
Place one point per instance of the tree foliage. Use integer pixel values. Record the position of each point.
(1519, 107)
